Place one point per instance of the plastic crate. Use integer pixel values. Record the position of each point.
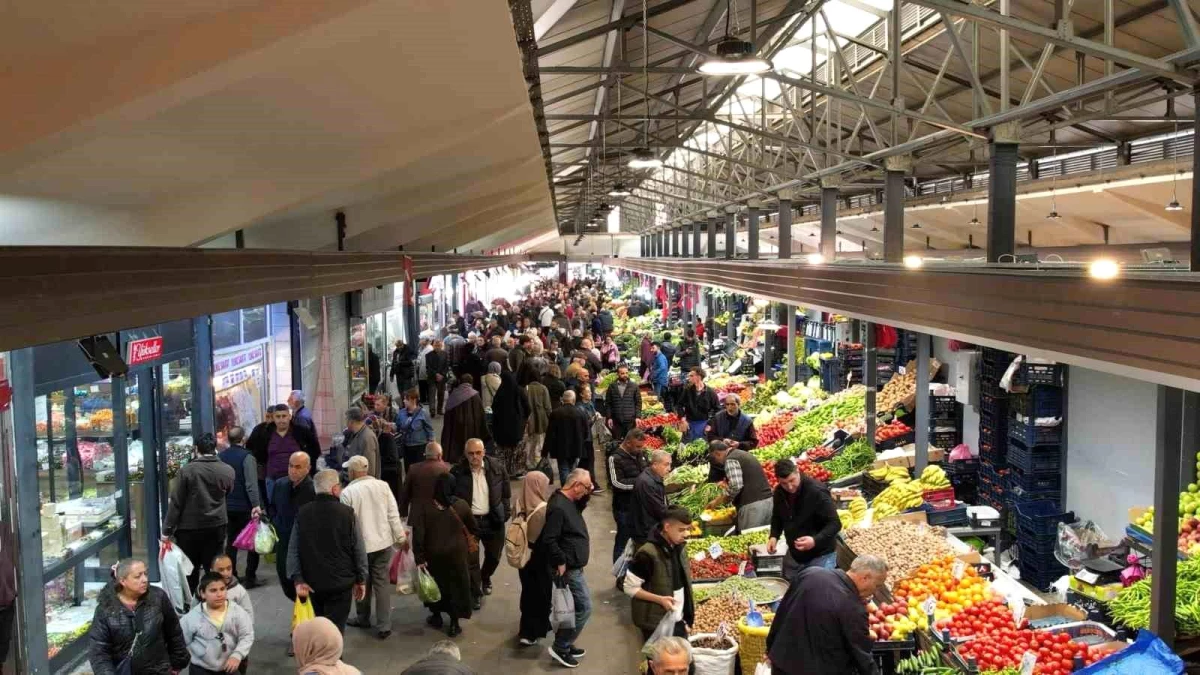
(948, 517)
(946, 440)
(961, 468)
(991, 388)
(1040, 546)
(1031, 435)
(1034, 482)
(1038, 459)
(1042, 575)
(1015, 496)
(1087, 632)
(996, 356)
(942, 406)
(1042, 517)
(1032, 374)
(1037, 402)
(997, 455)
(933, 497)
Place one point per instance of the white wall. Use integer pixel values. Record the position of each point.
(970, 425)
(1111, 424)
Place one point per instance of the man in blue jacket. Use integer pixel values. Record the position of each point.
(242, 503)
(658, 369)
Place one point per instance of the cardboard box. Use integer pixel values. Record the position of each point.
(916, 517)
(1069, 612)
(909, 459)
(1101, 592)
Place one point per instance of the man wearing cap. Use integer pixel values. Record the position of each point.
(379, 522)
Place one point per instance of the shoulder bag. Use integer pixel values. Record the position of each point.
(472, 540)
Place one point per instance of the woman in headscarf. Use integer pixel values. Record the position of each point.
(464, 420)
(318, 646)
(491, 382)
(646, 355)
(530, 503)
(440, 547)
(510, 410)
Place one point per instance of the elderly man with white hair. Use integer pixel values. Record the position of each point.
(443, 658)
(300, 413)
(670, 656)
(378, 520)
(821, 623)
(566, 545)
(649, 498)
(567, 430)
(326, 556)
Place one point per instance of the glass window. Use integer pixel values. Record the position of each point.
(358, 360)
(177, 413)
(254, 324)
(71, 597)
(75, 443)
(226, 329)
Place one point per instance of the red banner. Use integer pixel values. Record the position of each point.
(408, 280)
(143, 351)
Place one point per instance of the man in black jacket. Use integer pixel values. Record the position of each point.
(649, 498)
(804, 513)
(566, 431)
(698, 404)
(289, 497)
(624, 403)
(402, 368)
(668, 349)
(566, 547)
(326, 556)
(689, 351)
(820, 627)
(482, 483)
(196, 512)
(437, 369)
(625, 464)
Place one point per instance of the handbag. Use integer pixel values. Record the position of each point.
(562, 606)
(125, 667)
(472, 540)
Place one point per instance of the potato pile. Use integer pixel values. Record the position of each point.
(903, 388)
(713, 612)
(905, 546)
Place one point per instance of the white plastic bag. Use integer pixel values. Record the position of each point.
(175, 568)
(562, 606)
(265, 538)
(622, 562)
(762, 668)
(714, 661)
(666, 626)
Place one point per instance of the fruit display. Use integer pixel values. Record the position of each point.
(774, 428)
(889, 473)
(725, 565)
(812, 428)
(769, 472)
(937, 579)
(934, 478)
(818, 454)
(902, 388)
(1005, 647)
(855, 513)
(718, 516)
(1131, 607)
(893, 429)
(817, 472)
(903, 545)
(654, 442)
(660, 420)
(885, 620)
(902, 495)
(980, 618)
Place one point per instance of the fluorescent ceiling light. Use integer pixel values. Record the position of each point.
(734, 57)
(913, 262)
(1104, 269)
(815, 258)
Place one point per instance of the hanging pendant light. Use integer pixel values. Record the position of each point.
(619, 190)
(734, 57)
(643, 158)
(974, 216)
(874, 228)
(1175, 205)
(916, 226)
(1053, 215)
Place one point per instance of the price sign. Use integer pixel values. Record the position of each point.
(929, 605)
(1018, 611)
(699, 556)
(1028, 661)
(715, 550)
(902, 370)
(959, 569)
(742, 568)
(723, 630)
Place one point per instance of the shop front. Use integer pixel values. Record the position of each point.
(251, 365)
(374, 329)
(92, 462)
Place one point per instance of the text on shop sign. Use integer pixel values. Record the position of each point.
(144, 350)
(238, 360)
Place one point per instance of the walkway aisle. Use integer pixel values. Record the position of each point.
(488, 641)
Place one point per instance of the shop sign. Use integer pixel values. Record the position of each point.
(144, 350)
(237, 360)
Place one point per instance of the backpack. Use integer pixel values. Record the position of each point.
(516, 539)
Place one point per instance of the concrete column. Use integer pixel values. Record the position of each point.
(730, 231)
(687, 238)
(922, 449)
(790, 315)
(696, 227)
(753, 207)
(870, 379)
(713, 221)
(642, 245)
(893, 209)
(829, 197)
(1195, 246)
(785, 224)
(676, 241)
(1169, 453)
(1002, 193)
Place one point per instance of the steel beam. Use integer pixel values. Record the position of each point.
(893, 216)
(829, 197)
(1168, 452)
(624, 22)
(1002, 201)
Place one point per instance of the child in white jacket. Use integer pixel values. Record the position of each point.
(218, 633)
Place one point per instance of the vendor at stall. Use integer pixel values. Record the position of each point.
(821, 623)
(748, 488)
(733, 426)
(658, 578)
(698, 404)
(804, 514)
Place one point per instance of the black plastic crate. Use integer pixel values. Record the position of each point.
(1040, 546)
(1041, 574)
(1016, 496)
(1034, 482)
(996, 356)
(990, 373)
(1037, 402)
(997, 456)
(942, 406)
(993, 406)
(993, 430)
(1041, 518)
(946, 440)
(1031, 435)
(961, 468)
(1038, 459)
(1031, 374)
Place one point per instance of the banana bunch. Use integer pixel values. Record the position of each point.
(934, 478)
(889, 473)
(846, 518)
(902, 495)
(858, 508)
(883, 511)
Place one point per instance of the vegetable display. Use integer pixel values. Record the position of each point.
(774, 429)
(903, 545)
(687, 474)
(1131, 607)
(893, 429)
(725, 565)
(711, 614)
(739, 586)
(925, 662)
(695, 498)
(737, 542)
(853, 458)
(695, 451)
(662, 420)
(1005, 647)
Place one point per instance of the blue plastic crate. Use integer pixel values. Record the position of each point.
(1041, 574)
(1031, 435)
(1041, 518)
(1040, 546)
(1037, 402)
(1038, 459)
(993, 406)
(1034, 482)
